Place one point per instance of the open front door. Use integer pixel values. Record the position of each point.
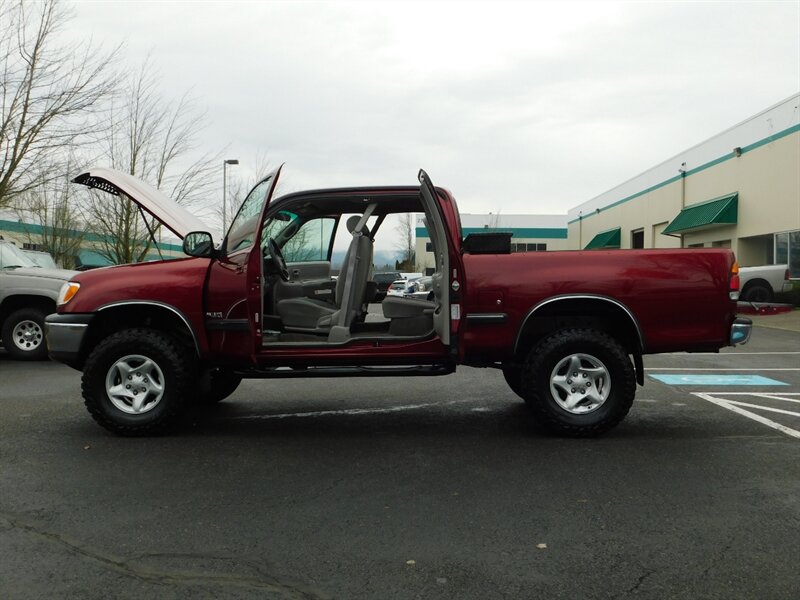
(233, 310)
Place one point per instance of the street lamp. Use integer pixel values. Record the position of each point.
(225, 163)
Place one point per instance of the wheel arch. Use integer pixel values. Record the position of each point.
(757, 281)
(156, 315)
(594, 311)
(17, 301)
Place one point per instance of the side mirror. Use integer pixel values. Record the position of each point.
(199, 244)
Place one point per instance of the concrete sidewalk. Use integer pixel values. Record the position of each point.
(789, 321)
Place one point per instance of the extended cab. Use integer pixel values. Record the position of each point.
(567, 329)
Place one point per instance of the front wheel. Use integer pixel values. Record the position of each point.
(23, 334)
(135, 382)
(579, 382)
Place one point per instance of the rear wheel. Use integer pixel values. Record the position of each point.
(135, 382)
(23, 334)
(579, 382)
(757, 292)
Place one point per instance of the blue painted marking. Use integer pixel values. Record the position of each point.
(684, 379)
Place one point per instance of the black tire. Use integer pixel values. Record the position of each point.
(757, 292)
(593, 354)
(215, 385)
(175, 374)
(23, 334)
(513, 377)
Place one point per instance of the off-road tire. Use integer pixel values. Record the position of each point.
(550, 352)
(175, 362)
(37, 343)
(215, 385)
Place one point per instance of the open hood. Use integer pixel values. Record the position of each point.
(171, 214)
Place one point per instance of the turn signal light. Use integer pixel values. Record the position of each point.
(68, 291)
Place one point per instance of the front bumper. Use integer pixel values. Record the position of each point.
(64, 334)
(740, 331)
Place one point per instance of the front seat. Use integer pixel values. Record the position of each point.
(308, 313)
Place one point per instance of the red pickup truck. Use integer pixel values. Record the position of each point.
(567, 329)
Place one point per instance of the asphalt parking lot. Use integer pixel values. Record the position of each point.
(412, 488)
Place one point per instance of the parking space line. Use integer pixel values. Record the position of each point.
(766, 408)
(746, 413)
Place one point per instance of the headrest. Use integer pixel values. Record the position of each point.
(353, 221)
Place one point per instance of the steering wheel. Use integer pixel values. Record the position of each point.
(277, 259)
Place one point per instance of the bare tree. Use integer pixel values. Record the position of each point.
(405, 243)
(51, 218)
(155, 140)
(48, 91)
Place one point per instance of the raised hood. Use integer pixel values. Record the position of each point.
(171, 214)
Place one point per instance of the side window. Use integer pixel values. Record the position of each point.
(311, 242)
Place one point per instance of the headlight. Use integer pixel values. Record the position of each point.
(67, 292)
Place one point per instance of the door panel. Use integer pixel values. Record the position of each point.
(233, 310)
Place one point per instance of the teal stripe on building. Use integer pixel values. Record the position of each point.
(32, 229)
(729, 156)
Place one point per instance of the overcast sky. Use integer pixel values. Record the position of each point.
(517, 108)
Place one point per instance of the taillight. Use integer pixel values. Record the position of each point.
(786, 275)
(733, 294)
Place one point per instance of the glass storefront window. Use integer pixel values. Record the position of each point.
(787, 251)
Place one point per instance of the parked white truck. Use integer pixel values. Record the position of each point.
(760, 284)
(27, 295)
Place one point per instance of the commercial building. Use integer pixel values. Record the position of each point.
(90, 255)
(739, 190)
(529, 233)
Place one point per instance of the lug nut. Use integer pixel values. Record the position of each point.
(573, 390)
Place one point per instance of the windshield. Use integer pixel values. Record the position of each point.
(12, 257)
(242, 233)
(42, 259)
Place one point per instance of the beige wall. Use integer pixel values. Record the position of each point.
(767, 179)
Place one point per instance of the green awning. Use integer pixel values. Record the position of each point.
(605, 239)
(89, 259)
(713, 213)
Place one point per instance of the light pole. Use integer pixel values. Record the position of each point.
(225, 163)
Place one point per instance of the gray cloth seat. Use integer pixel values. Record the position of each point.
(308, 313)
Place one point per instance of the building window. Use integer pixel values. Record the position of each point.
(428, 247)
(787, 251)
(721, 244)
(528, 247)
(637, 238)
(701, 245)
(37, 247)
